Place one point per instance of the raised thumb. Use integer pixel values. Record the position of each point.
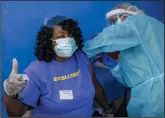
(15, 67)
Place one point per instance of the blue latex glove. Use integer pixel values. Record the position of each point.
(109, 61)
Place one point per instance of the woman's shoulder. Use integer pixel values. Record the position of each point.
(81, 53)
(36, 65)
(35, 71)
(82, 56)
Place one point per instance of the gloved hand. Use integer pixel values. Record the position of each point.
(109, 61)
(15, 83)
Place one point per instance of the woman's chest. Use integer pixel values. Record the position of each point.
(66, 86)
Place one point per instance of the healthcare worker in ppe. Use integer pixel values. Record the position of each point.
(140, 40)
(61, 82)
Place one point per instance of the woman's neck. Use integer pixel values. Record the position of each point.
(61, 59)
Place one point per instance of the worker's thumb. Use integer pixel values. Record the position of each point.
(15, 67)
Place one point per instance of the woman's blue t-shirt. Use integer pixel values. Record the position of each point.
(60, 88)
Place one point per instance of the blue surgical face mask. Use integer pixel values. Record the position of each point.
(65, 47)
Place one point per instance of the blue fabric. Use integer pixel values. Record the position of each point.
(140, 40)
(48, 79)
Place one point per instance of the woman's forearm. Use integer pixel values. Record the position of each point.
(101, 98)
(99, 95)
(14, 107)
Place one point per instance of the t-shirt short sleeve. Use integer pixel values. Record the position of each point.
(30, 94)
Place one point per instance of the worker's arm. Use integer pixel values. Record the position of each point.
(117, 72)
(100, 95)
(114, 67)
(113, 38)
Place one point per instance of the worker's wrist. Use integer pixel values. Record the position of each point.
(112, 66)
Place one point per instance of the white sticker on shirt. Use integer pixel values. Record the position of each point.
(66, 94)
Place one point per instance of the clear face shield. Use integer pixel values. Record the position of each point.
(51, 19)
(116, 19)
(117, 16)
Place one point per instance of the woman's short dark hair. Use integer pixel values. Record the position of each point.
(44, 48)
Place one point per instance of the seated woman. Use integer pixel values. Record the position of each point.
(61, 80)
